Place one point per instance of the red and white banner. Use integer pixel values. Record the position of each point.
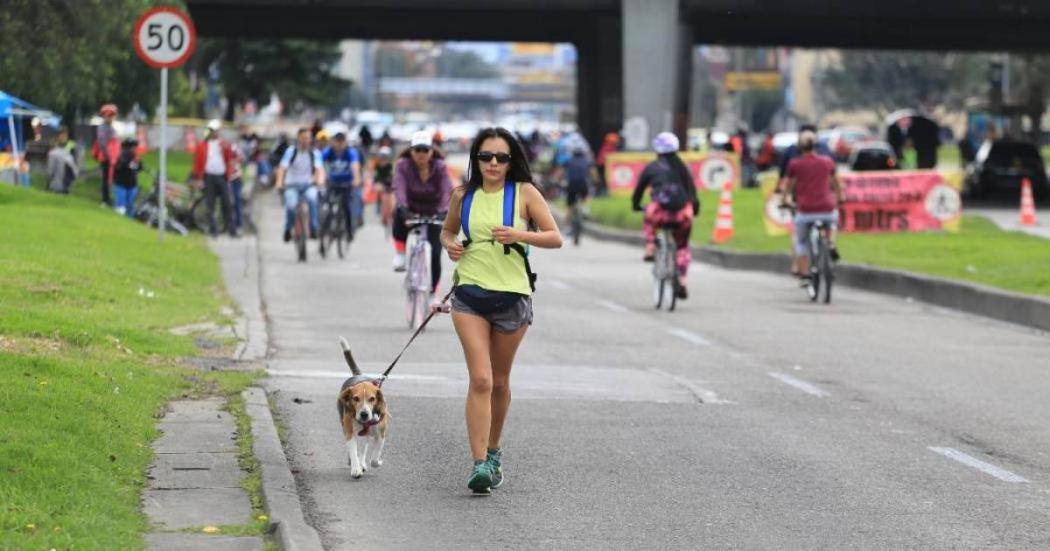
(711, 171)
(887, 201)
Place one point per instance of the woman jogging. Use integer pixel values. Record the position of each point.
(492, 304)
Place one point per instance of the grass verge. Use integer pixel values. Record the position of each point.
(87, 364)
(980, 252)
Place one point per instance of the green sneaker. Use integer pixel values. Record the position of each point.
(480, 481)
(495, 460)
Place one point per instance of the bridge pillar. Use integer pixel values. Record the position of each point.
(599, 78)
(656, 67)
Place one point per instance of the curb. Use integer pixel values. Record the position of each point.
(278, 485)
(973, 298)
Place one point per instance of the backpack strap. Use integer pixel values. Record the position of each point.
(509, 203)
(509, 197)
(464, 215)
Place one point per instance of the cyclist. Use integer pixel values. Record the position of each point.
(343, 164)
(812, 182)
(301, 169)
(421, 187)
(674, 201)
(579, 175)
(382, 177)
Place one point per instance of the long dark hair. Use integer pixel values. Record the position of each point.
(519, 164)
(679, 168)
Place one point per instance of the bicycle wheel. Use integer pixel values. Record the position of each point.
(422, 280)
(577, 226)
(825, 271)
(199, 215)
(670, 279)
(342, 240)
(302, 225)
(659, 281)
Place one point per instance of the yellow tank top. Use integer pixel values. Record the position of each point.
(484, 263)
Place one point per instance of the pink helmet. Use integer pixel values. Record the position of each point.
(107, 109)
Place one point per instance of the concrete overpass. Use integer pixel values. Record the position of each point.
(635, 54)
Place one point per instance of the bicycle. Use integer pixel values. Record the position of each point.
(301, 228)
(178, 217)
(818, 281)
(417, 277)
(333, 224)
(576, 223)
(665, 271)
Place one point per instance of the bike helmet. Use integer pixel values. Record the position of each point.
(107, 109)
(665, 142)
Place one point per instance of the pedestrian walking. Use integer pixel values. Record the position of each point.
(214, 164)
(106, 149)
(62, 167)
(492, 302)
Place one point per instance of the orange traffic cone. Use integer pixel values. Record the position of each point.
(724, 221)
(1027, 204)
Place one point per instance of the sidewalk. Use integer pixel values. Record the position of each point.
(195, 481)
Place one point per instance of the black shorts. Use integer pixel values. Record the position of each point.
(576, 193)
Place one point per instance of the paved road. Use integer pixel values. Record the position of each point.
(749, 419)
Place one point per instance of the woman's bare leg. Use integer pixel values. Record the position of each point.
(504, 347)
(474, 333)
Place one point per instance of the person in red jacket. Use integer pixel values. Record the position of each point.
(214, 163)
(106, 149)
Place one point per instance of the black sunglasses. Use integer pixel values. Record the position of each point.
(487, 156)
(421, 149)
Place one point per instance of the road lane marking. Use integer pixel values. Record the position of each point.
(614, 306)
(689, 336)
(703, 395)
(320, 374)
(804, 386)
(973, 462)
(559, 284)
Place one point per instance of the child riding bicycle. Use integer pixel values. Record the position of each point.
(674, 201)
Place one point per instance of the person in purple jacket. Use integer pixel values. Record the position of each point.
(422, 187)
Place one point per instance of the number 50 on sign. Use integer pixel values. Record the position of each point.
(164, 37)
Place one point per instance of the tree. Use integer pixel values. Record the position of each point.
(890, 80)
(73, 55)
(299, 71)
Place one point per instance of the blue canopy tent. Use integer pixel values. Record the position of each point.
(13, 109)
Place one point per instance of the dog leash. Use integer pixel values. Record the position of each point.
(433, 312)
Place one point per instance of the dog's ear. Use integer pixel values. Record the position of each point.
(345, 396)
(380, 401)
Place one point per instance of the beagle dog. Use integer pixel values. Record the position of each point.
(364, 416)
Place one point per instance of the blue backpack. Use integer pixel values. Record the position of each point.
(509, 198)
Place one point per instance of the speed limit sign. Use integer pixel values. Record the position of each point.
(164, 37)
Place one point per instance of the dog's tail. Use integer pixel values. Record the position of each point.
(349, 357)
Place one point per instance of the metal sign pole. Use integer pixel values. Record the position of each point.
(162, 203)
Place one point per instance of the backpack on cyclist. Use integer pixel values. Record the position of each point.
(509, 200)
(295, 152)
(667, 190)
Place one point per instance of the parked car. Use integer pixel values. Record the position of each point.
(873, 156)
(842, 139)
(1002, 165)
